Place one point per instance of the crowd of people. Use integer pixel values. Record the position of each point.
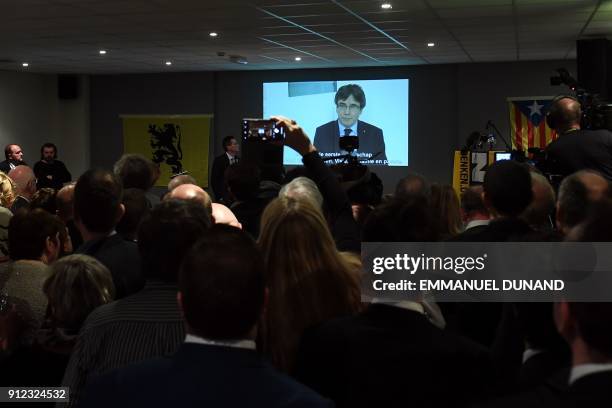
(127, 297)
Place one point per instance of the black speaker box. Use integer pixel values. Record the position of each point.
(67, 86)
(594, 63)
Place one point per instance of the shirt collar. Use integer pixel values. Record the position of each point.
(476, 223)
(353, 128)
(242, 344)
(582, 370)
(527, 354)
(229, 156)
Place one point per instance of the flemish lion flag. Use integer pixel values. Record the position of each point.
(528, 126)
(178, 143)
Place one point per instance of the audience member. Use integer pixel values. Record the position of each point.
(24, 179)
(413, 184)
(14, 158)
(474, 213)
(181, 179)
(7, 196)
(33, 244)
(391, 354)
(137, 171)
(65, 211)
(577, 194)
(222, 297)
(8, 191)
(191, 192)
(309, 280)
(540, 212)
(136, 208)
(303, 188)
(223, 215)
(50, 172)
(76, 285)
(447, 211)
(45, 199)
(148, 323)
(243, 183)
(97, 211)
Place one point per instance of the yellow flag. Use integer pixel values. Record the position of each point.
(178, 143)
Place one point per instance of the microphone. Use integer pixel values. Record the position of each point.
(491, 139)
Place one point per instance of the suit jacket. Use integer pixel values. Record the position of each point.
(122, 259)
(391, 357)
(201, 376)
(582, 149)
(217, 177)
(371, 141)
(5, 167)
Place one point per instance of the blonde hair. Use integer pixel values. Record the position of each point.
(309, 280)
(76, 286)
(7, 190)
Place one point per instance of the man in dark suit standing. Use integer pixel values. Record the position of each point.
(350, 102)
(222, 295)
(220, 164)
(14, 158)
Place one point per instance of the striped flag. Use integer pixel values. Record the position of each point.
(528, 122)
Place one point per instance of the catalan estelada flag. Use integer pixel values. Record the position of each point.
(528, 122)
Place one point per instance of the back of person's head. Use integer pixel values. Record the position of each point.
(31, 232)
(507, 188)
(537, 326)
(353, 90)
(191, 192)
(45, 199)
(564, 113)
(180, 180)
(97, 200)
(303, 188)
(77, 284)
(472, 203)
(166, 234)
(64, 202)
(8, 191)
(135, 171)
(222, 285)
(223, 215)
(136, 207)
(401, 220)
(24, 179)
(577, 193)
(309, 280)
(413, 185)
(538, 213)
(243, 180)
(446, 209)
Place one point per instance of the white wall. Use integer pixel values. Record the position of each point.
(32, 114)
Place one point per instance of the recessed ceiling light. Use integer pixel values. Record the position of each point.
(431, 44)
(168, 63)
(386, 6)
(213, 34)
(25, 64)
(102, 52)
(298, 58)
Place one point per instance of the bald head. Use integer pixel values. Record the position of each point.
(65, 202)
(566, 114)
(24, 179)
(223, 215)
(577, 193)
(191, 192)
(180, 180)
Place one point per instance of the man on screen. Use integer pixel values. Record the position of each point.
(350, 102)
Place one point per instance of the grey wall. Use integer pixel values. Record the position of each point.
(447, 102)
(31, 114)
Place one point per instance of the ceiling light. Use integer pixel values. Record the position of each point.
(298, 58)
(431, 44)
(213, 34)
(386, 6)
(168, 63)
(25, 64)
(102, 52)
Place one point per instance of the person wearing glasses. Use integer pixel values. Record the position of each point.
(350, 101)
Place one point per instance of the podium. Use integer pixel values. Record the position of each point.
(470, 167)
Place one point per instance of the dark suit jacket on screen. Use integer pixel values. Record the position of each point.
(371, 140)
(201, 376)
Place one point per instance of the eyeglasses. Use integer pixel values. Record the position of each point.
(353, 107)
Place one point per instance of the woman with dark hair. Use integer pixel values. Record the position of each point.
(446, 209)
